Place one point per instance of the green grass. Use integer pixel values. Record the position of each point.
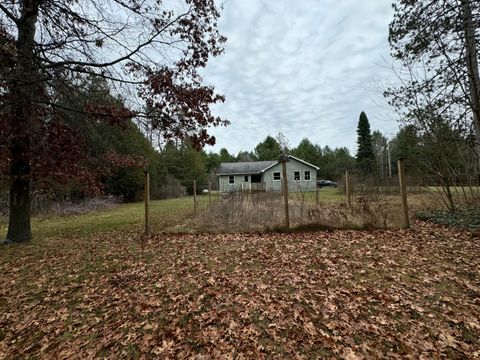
(166, 215)
(163, 214)
(329, 195)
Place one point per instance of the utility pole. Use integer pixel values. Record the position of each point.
(347, 189)
(382, 162)
(389, 159)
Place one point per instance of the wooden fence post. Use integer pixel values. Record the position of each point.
(347, 189)
(403, 192)
(316, 193)
(389, 161)
(146, 199)
(195, 197)
(283, 160)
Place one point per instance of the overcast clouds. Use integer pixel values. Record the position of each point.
(300, 67)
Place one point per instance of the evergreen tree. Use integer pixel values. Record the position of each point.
(309, 152)
(212, 161)
(225, 156)
(245, 156)
(185, 164)
(269, 149)
(334, 162)
(365, 154)
(437, 47)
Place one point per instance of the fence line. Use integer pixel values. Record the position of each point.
(356, 201)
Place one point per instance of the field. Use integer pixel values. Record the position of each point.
(91, 286)
(165, 215)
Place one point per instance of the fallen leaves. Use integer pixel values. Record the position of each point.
(342, 294)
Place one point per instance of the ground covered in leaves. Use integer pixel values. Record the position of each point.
(342, 294)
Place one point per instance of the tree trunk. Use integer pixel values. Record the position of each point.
(22, 91)
(472, 67)
(448, 193)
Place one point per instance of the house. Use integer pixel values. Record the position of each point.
(267, 176)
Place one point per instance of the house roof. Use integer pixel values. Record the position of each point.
(245, 168)
(253, 167)
(304, 162)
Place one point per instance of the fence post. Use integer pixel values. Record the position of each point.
(209, 193)
(347, 190)
(195, 197)
(283, 160)
(389, 161)
(403, 192)
(146, 199)
(316, 193)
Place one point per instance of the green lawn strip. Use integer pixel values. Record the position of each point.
(329, 195)
(126, 216)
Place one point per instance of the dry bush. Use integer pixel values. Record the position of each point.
(242, 212)
(172, 188)
(365, 212)
(263, 211)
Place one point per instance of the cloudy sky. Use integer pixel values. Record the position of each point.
(305, 68)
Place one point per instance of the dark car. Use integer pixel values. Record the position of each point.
(326, 183)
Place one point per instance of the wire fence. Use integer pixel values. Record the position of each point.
(326, 207)
(354, 201)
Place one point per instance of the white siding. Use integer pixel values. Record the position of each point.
(224, 186)
(301, 185)
(293, 165)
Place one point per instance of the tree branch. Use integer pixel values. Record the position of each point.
(9, 14)
(120, 59)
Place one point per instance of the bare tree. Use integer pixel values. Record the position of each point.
(148, 52)
(436, 42)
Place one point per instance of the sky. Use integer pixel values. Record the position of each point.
(305, 68)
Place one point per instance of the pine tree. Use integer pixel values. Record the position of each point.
(436, 44)
(269, 149)
(365, 154)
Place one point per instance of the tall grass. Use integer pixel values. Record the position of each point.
(264, 211)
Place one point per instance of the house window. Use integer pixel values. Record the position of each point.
(231, 179)
(276, 176)
(307, 175)
(296, 175)
(246, 178)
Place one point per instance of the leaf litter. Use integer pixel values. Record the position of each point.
(340, 294)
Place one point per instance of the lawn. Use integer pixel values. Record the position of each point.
(325, 195)
(164, 215)
(93, 287)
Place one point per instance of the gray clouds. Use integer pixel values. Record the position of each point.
(302, 68)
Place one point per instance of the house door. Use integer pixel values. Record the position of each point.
(256, 178)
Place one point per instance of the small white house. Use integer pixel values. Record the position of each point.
(267, 176)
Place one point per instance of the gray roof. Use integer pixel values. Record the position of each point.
(253, 167)
(241, 168)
